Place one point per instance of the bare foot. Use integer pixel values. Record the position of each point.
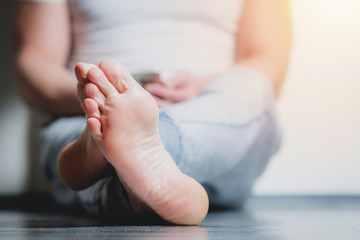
(123, 120)
(81, 163)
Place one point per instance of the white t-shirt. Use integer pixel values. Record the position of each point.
(156, 35)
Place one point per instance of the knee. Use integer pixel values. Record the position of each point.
(171, 135)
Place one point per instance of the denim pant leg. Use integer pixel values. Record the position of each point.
(225, 137)
(53, 138)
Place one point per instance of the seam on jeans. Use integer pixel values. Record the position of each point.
(242, 125)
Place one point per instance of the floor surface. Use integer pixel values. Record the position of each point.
(264, 218)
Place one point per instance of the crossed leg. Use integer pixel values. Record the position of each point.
(122, 130)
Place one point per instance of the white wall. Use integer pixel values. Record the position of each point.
(320, 106)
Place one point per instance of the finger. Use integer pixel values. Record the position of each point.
(161, 103)
(180, 96)
(173, 94)
(161, 91)
(178, 80)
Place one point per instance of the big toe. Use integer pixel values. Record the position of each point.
(117, 74)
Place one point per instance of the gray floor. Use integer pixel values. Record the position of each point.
(264, 218)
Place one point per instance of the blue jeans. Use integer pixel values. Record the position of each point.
(224, 139)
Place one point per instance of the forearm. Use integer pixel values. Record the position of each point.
(45, 85)
(42, 42)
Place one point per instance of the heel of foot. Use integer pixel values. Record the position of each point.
(194, 208)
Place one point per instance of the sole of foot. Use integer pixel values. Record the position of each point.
(123, 120)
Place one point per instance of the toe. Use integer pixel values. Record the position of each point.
(81, 71)
(97, 76)
(91, 108)
(116, 73)
(94, 127)
(80, 91)
(92, 91)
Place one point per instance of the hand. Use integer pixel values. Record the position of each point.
(181, 87)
